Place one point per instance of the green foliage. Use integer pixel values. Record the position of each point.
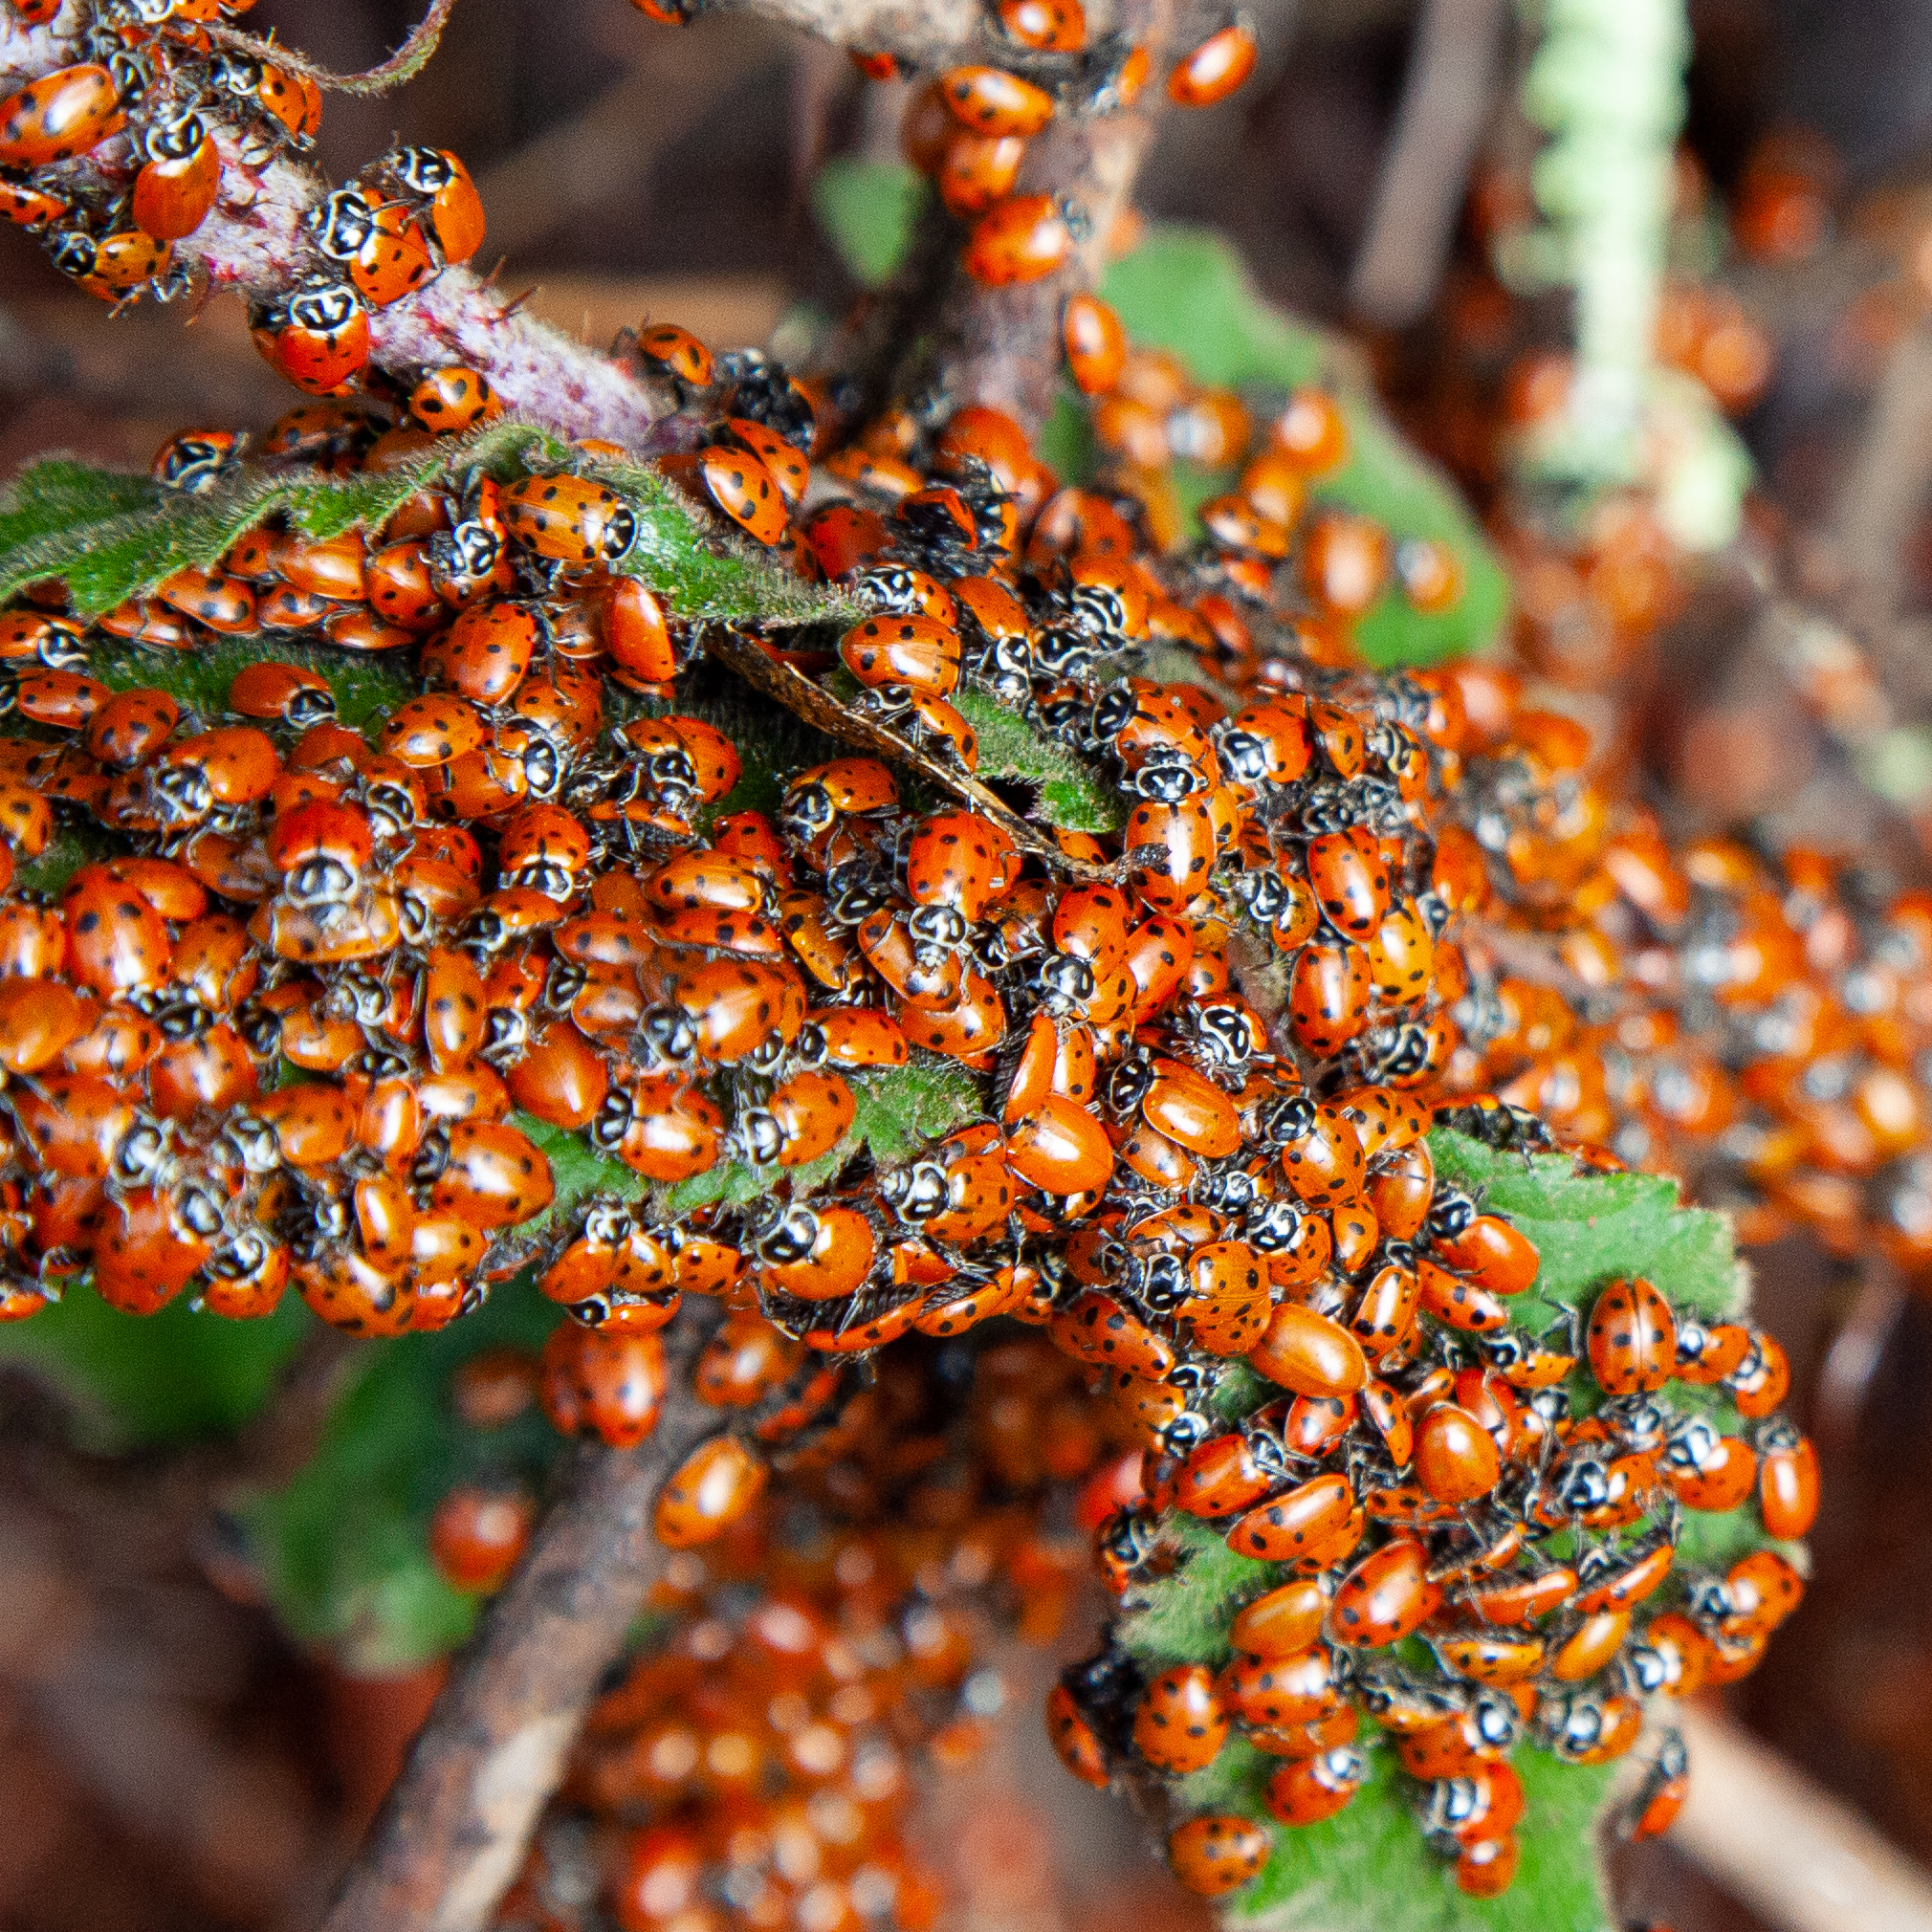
(110, 536)
(367, 686)
(1368, 1869)
(1185, 290)
(146, 1382)
(867, 209)
(343, 1546)
(898, 1111)
(1590, 1228)
(1070, 794)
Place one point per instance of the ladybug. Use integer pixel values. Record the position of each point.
(1632, 1339)
(1456, 1458)
(318, 337)
(710, 1490)
(1500, 1258)
(745, 490)
(179, 178)
(1309, 1790)
(989, 101)
(453, 398)
(476, 1537)
(1385, 1597)
(1761, 1380)
(29, 207)
(1350, 880)
(1299, 1523)
(915, 652)
(487, 651)
(439, 177)
(976, 171)
(1094, 341)
(59, 116)
(1788, 1481)
(1046, 26)
(1074, 1739)
(1178, 1725)
(1328, 996)
(569, 519)
(678, 352)
(1216, 1854)
(608, 1383)
(1653, 1809)
(1214, 70)
(1021, 240)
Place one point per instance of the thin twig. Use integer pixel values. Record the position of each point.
(407, 62)
(453, 1834)
(803, 699)
(1445, 105)
(1798, 1858)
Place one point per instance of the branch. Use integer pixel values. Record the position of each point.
(453, 1834)
(1445, 102)
(1001, 347)
(1788, 1850)
(925, 34)
(407, 62)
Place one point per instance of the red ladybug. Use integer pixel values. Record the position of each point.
(1632, 1339)
(1023, 239)
(318, 337)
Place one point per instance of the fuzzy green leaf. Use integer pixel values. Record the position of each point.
(1185, 290)
(138, 1382)
(367, 686)
(113, 535)
(1070, 794)
(1590, 1228)
(343, 1546)
(897, 1111)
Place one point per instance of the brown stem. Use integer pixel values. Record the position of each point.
(818, 708)
(453, 1834)
(923, 33)
(1001, 346)
(405, 64)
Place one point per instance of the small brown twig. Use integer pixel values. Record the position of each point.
(407, 62)
(453, 1832)
(819, 708)
(1446, 93)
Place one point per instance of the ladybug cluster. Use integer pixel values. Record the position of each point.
(115, 156)
(1755, 1021)
(329, 1002)
(151, 75)
(1408, 1490)
(755, 1762)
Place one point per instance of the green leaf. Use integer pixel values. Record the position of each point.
(710, 572)
(343, 1544)
(367, 686)
(897, 1111)
(867, 209)
(1070, 795)
(1368, 1869)
(1590, 1228)
(1185, 290)
(146, 1381)
(113, 535)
